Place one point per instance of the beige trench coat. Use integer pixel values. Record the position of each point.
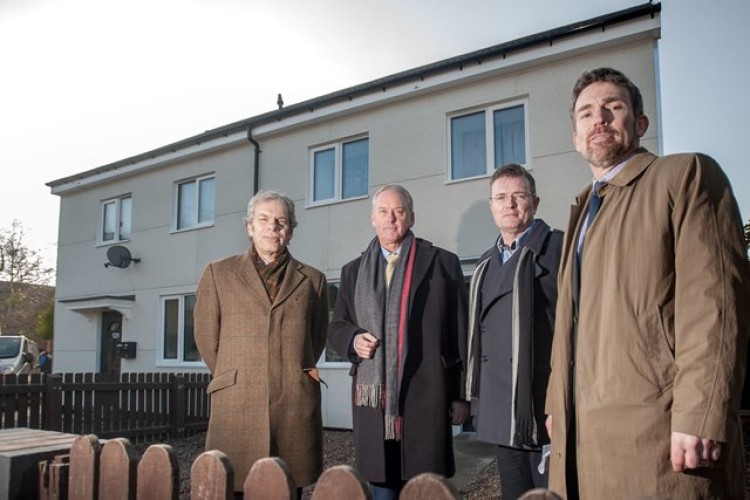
(265, 392)
(661, 336)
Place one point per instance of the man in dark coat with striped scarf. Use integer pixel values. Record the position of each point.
(512, 306)
(401, 318)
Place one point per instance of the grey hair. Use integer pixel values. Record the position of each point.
(269, 195)
(399, 189)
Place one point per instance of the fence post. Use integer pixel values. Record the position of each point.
(429, 485)
(179, 406)
(118, 468)
(53, 403)
(158, 474)
(341, 481)
(269, 479)
(211, 477)
(53, 478)
(83, 472)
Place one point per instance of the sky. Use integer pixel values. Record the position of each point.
(84, 83)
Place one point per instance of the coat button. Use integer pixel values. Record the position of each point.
(485, 358)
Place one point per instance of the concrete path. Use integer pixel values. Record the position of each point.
(472, 457)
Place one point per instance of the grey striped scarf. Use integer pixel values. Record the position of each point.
(378, 312)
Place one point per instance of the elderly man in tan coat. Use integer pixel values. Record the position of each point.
(650, 343)
(260, 325)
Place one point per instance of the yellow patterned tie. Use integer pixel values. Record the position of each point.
(391, 259)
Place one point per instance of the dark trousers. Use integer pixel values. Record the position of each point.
(518, 472)
(390, 489)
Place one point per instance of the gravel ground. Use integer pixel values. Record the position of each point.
(338, 448)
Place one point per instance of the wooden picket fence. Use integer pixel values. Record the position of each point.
(113, 471)
(141, 406)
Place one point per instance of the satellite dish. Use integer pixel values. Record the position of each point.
(119, 256)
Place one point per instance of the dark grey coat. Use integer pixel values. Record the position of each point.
(492, 297)
(433, 368)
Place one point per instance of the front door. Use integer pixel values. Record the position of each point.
(111, 335)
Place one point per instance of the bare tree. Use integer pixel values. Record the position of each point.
(19, 263)
(24, 293)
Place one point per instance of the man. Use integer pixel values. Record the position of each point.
(512, 308)
(406, 338)
(651, 326)
(260, 326)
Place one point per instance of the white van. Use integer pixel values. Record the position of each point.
(18, 354)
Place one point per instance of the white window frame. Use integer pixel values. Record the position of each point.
(179, 359)
(194, 224)
(117, 202)
(489, 130)
(323, 362)
(338, 188)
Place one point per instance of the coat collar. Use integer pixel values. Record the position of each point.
(637, 164)
(247, 272)
(426, 253)
(535, 242)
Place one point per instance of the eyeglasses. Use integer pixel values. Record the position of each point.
(517, 197)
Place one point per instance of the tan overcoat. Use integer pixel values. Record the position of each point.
(657, 342)
(265, 391)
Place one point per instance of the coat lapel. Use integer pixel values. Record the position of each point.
(247, 273)
(503, 277)
(292, 279)
(497, 281)
(423, 258)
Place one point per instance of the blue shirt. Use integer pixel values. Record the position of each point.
(506, 252)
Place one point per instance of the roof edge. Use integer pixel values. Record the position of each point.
(380, 84)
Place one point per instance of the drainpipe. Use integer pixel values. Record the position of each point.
(256, 159)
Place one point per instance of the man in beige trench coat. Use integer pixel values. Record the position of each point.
(261, 322)
(649, 351)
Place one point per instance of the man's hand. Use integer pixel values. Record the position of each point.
(365, 345)
(690, 452)
(548, 425)
(459, 412)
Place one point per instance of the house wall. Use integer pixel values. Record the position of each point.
(171, 262)
(408, 140)
(409, 146)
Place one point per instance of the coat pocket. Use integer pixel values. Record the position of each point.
(451, 362)
(222, 381)
(314, 374)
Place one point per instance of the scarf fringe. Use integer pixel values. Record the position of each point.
(392, 428)
(369, 395)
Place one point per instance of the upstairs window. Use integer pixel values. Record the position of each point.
(195, 202)
(484, 140)
(116, 222)
(178, 341)
(340, 171)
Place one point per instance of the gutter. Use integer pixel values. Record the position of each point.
(256, 159)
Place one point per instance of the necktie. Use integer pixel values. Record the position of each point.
(594, 204)
(391, 259)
